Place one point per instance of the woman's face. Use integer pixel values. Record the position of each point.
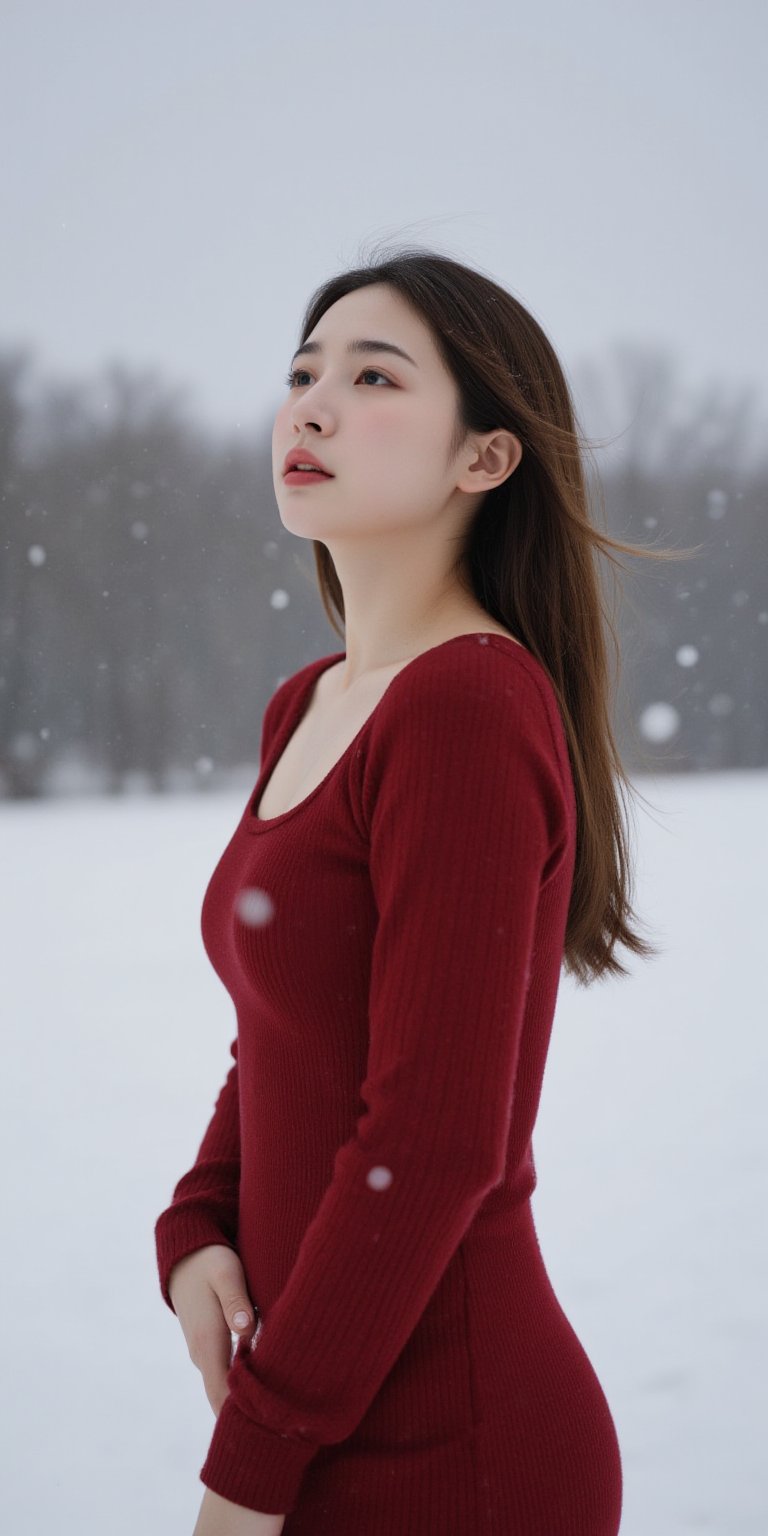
(382, 425)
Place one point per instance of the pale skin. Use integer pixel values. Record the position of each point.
(208, 1289)
(397, 509)
(393, 518)
(218, 1517)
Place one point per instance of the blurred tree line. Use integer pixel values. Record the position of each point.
(151, 600)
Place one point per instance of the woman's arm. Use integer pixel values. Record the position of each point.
(220, 1517)
(204, 1207)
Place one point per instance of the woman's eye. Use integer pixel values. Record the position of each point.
(292, 377)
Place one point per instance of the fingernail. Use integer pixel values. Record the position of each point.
(241, 1319)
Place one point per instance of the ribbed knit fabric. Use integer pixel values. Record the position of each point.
(393, 947)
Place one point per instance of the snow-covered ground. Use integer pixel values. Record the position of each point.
(650, 1150)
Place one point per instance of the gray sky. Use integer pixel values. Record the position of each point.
(178, 177)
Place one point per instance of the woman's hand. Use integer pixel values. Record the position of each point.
(219, 1517)
(208, 1291)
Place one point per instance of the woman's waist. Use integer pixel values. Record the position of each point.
(497, 1264)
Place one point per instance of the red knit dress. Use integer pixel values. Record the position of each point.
(392, 946)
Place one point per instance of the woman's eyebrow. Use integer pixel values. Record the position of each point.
(357, 346)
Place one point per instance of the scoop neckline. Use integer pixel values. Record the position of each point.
(254, 823)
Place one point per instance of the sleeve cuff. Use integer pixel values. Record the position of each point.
(179, 1232)
(252, 1466)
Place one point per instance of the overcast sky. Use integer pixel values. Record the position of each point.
(178, 177)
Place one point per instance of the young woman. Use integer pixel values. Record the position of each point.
(434, 832)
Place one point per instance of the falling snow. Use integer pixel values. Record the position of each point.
(659, 722)
(254, 907)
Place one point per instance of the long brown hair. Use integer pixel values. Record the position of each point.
(529, 556)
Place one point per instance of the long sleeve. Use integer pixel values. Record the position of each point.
(204, 1206)
(463, 804)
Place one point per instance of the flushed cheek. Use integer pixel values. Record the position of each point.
(385, 432)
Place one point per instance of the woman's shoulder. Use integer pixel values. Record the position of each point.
(463, 731)
(471, 675)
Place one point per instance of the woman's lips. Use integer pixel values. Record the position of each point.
(305, 476)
